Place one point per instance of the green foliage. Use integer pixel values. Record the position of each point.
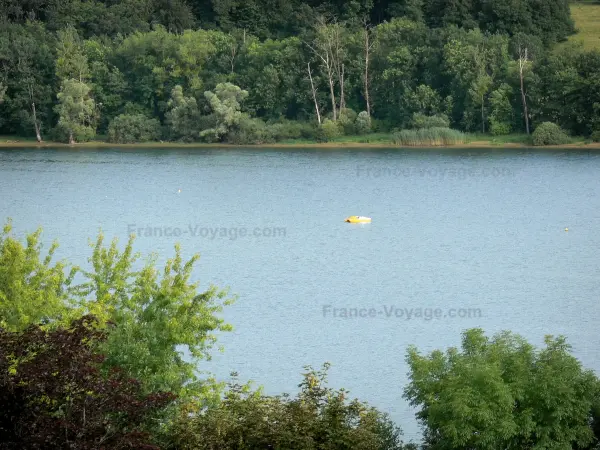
(502, 117)
(133, 128)
(429, 137)
(287, 129)
(318, 417)
(32, 289)
(183, 116)
(140, 304)
(502, 393)
(363, 123)
(548, 133)
(76, 111)
(420, 121)
(71, 61)
(347, 118)
(596, 136)
(251, 131)
(225, 105)
(329, 130)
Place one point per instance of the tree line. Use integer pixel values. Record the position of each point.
(96, 363)
(260, 71)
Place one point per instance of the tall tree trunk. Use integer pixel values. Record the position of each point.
(38, 135)
(522, 61)
(71, 140)
(367, 50)
(482, 113)
(314, 94)
(342, 97)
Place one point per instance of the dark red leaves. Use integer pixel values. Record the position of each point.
(53, 395)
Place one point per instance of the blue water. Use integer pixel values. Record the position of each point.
(455, 230)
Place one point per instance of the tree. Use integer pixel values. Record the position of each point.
(71, 61)
(143, 304)
(183, 115)
(523, 63)
(502, 393)
(76, 110)
(54, 395)
(27, 67)
(329, 48)
(32, 289)
(225, 105)
(318, 417)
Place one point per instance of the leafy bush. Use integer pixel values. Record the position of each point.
(596, 136)
(420, 121)
(548, 133)
(318, 414)
(288, 129)
(346, 120)
(127, 128)
(499, 128)
(363, 123)
(250, 132)
(429, 136)
(329, 130)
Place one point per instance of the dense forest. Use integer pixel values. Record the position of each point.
(263, 70)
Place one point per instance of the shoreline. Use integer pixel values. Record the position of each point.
(323, 145)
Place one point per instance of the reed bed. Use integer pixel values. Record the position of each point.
(429, 136)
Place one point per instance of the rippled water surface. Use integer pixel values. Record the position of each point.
(461, 231)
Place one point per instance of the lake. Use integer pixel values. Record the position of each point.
(478, 235)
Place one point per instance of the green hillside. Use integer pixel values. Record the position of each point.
(587, 22)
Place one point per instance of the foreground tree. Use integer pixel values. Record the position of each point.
(143, 304)
(502, 393)
(32, 288)
(54, 395)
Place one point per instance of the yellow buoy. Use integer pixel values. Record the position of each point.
(358, 219)
(566, 229)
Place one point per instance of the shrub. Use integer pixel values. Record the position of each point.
(287, 129)
(55, 396)
(250, 132)
(596, 136)
(548, 133)
(130, 128)
(346, 120)
(318, 414)
(429, 136)
(329, 130)
(363, 123)
(499, 128)
(420, 121)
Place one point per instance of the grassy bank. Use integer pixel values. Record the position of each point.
(375, 140)
(587, 21)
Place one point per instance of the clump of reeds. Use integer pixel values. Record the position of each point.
(429, 136)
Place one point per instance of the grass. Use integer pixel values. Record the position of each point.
(404, 138)
(437, 137)
(587, 22)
